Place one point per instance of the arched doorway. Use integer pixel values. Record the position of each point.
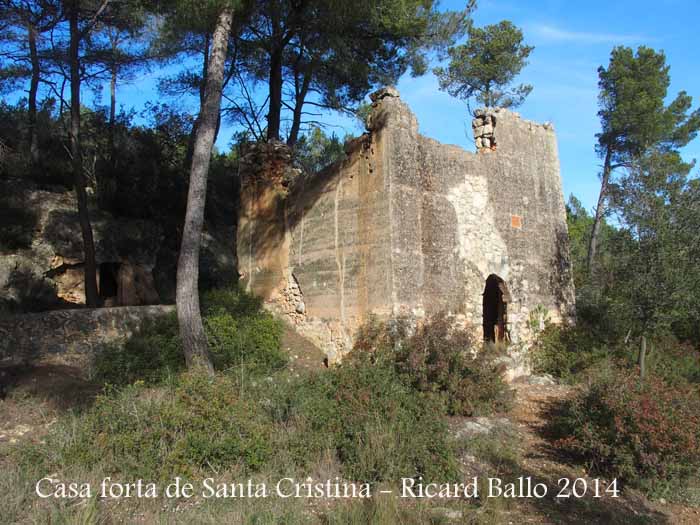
(495, 309)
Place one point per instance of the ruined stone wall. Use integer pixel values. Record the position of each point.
(406, 225)
(71, 336)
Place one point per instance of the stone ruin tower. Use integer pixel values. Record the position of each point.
(405, 225)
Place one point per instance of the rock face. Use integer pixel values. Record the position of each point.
(408, 226)
(44, 265)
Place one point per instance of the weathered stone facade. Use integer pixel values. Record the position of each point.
(406, 225)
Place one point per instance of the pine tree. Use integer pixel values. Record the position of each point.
(484, 68)
(634, 119)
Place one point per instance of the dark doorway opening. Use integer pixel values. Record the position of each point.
(108, 279)
(495, 308)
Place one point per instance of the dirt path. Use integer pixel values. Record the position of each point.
(36, 395)
(540, 460)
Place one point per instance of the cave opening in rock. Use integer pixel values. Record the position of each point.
(495, 309)
(108, 279)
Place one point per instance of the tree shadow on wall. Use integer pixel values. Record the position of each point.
(561, 280)
(266, 232)
(19, 221)
(26, 291)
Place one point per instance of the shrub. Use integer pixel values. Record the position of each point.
(375, 427)
(569, 353)
(647, 435)
(197, 425)
(566, 352)
(378, 428)
(241, 336)
(675, 362)
(151, 355)
(441, 360)
(231, 300)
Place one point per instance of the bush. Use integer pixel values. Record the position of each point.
(566, 352)
(361, 416)
(441, 360)
(647, 435)
(197, 425)
(241, 336)
(378, 428)
(570, 353)
(675, 362)
(241, 333)
(249, 344)
(231, 300)
(151, 355)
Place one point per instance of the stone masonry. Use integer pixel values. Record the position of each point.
(70, 336)
(405, 225)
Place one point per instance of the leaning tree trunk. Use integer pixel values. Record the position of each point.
(91, 296)
(189, 317)
(599, 211)
(31, 101)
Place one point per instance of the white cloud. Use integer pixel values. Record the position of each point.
(556, 34)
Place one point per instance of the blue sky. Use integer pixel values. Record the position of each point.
(571, 39)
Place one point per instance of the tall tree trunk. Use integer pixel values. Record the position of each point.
(202, 89)
(33, 89)
(112, 112)
(599, 211)
(298, 107)
(91, 296)
(274, 114)
(189, 317)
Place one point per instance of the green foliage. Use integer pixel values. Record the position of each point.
(316, 150)
(191, 427)
(654, 263)
(646, 435)
(441, 360)
(54, 165)
(579, 223)
(485, 67)
(378, 428)
(241, 333)
(674, 362)
(305, 44)
(647, 278)
(632, 110)
(572, 354)
(250, 344)
(151, 355)
(242, 336)
(362, 414)
(567, 352)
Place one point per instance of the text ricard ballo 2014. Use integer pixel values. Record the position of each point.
(335, 488)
